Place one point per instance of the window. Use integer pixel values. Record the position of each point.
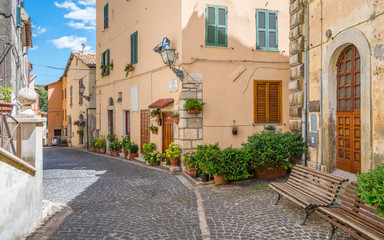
(62, 94)
(266, 30)
(80, 96)
(267, 101)
(106, 16)
(134, 49)
(70, 95)
(127, 124)
(216, 26)
(65, 93)
(105, 60)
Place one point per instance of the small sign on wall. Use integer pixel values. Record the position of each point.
(173, 85)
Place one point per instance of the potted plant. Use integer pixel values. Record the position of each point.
(80, 132)
(154, 129)
(155, 113)
(174, 153)
(103, 68)
(190, 164)
(125, 145)
(93, 145)
(176, 118)
(5, 100)
(270, 128)
(151, 155)
(193, 105)
(101, 144)
(115, 148)
(128, 68)
(133, 149)
(269, 153)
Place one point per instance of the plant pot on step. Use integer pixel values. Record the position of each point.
(192, 172)
(6, 108)
(176, 121)
(94, 150)
(204, 177)
(174, 161)
(115, 153)
(102, 150)
(275, 172)
(132, 156)
(220, 180)
(126, 155)
(155, 164)
(194, 111)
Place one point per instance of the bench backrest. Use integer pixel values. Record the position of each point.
(318, 184)
(358, 207)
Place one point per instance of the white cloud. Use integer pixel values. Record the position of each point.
(37, 30)
(85, 15)
(35, 47)
(73, 42)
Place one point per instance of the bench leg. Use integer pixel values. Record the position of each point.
(334, 228)
(278, 198)
(308, 212)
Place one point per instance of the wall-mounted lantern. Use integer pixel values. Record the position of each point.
(168, 54)
(82, 91)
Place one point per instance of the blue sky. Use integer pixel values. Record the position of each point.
(59, 27)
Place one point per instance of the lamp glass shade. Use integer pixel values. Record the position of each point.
(82, 89)
(168, 56)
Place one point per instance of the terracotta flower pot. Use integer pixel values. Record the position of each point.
(102, 150)
(6, 108)
(273, 173)
(94, 150)
(132, 156)
(98, 150)
(126, 155)
(154, 132)
(194, 111)
(115, 153)
(174, 161)
(220, 180)
(192, 172)
(155, 164)
(176, 121)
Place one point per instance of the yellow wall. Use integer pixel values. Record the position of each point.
(226, 100)
(55, 110)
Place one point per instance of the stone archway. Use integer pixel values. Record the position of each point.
(332, 54)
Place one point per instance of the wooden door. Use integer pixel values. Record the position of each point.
(167, 130)
(110, 122)
(127, 123)
(144, 128)
(348, 111)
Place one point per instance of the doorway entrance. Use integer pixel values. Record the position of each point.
(144, 128)
(348, 110)
(167, 130)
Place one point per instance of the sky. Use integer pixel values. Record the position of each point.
(58, 28)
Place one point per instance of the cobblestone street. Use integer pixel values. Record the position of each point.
(115, 199)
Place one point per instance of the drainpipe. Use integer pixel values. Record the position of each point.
(321, 90)
(306, 76)
(88, 127)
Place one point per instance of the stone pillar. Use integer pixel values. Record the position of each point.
(189, 132)
(296, 61)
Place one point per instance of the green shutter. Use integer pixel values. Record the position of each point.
(18, 16)
(134, 48)
(266, 30)
(216, 26)
(106, 16)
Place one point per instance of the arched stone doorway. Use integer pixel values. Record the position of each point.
(348, 119)
(334, 51)
(110, 116)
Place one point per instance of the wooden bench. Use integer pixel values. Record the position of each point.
(354, 216)
(309, 188)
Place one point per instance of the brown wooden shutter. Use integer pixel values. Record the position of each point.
(267, 97)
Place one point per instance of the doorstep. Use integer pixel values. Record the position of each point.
(344, 174)
(140, 159)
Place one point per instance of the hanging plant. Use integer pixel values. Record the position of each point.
(128, 68)
(155, 113)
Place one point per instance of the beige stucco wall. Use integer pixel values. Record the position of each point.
(350, 23)
(226, 100)
(55, 110)
(78, 70)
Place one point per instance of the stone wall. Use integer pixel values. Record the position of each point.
(189, 133)
(296, 61)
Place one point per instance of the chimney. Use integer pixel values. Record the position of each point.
(83, 45)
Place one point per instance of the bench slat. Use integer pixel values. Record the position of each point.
(323, 174)
(303, 202)
(317, 181)
(319, 191)
(360, 214)
(323, 201)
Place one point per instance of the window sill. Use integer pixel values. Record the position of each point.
(268, 124)
(212, 46)
(267, 50)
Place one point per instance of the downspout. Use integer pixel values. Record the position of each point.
(321, 89)
(306, 76)
(88, 126)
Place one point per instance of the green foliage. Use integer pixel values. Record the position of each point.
(371, 188)
(100, 142)
(269, 127)
(151, 155)
(155, 112)
(193, 103)
(128, 68)
(6, 93)
(190, 161)
(175, 115)
(134, 148)
(149, 147)
(260, 187)
(207, 155)
(43, 98)
(80, 132)
(173, 151)
(115, 146)
(154, 128)
(126, 142)
(93, 143)
(270, 149)
(111, 138)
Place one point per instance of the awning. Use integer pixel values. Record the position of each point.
(161, 103)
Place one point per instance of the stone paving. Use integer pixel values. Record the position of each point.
(113, 199)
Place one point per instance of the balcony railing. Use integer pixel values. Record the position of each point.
(8, 131)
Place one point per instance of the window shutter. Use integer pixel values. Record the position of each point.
(222, 27)
(260, 102)
(272, 30)
(211, 25)
(274, 102)
(134, 48)
(216, 26)
(106, 16)
(18, 16)
(261, 30)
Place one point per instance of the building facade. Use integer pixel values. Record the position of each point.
(55, 110)
(234, 57)
(336, 49)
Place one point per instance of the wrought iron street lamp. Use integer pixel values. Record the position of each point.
(168, 54)
(82, 91)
